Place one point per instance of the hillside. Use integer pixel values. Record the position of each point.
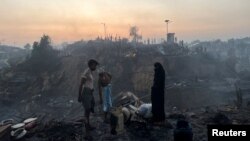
(194, 81)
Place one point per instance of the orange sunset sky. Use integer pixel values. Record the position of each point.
(24, 21)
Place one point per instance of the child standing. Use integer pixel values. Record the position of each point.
(105, 92)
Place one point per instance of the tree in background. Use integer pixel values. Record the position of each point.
(133, 32)
(43, 56)
(27, 46)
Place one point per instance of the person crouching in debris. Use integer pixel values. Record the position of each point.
(157, 94)
(86, 90)
(105, 94)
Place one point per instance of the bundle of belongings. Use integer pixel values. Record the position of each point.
(128, 107)
(145, 110)
(133, 108)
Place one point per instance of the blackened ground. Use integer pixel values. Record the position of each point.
(72, 129)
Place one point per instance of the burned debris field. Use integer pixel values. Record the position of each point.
(206, 83)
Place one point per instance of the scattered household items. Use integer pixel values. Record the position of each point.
(18, 133)
(145, 110)
(16, 130)
(127, 98)
(16, 126)
(133, 108)
(183, 131)
(29, 120)
(7, 121)
(30, 125)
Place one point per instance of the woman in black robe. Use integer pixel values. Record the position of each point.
(157, 93)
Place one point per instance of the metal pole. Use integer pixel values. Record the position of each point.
(167, 28)
(167, 21)
(104, 26)
(105, 31)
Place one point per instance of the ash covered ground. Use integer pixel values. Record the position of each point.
(202, 82)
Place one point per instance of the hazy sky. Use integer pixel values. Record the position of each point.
(24, 21)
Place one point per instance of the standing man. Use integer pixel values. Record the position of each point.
(157, 94)
(86, 90)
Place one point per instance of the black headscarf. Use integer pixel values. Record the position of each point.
(159, 76)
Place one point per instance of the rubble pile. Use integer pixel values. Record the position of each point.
(73, 129)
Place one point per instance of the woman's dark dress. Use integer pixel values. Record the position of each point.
(157, 94)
